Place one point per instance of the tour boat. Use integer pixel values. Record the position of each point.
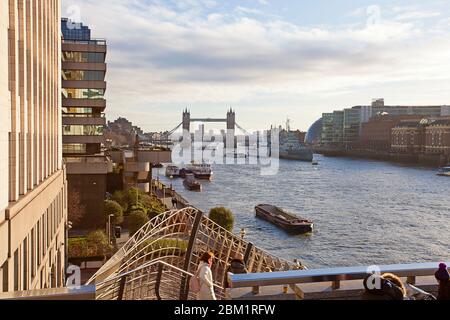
(283, 219)
(191, 184)
(172, 171)
(201, 171)
(444, 172)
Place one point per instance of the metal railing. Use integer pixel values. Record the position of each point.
(100, 42)
(178, 239)
(156, 280)
(83, 293)
(87, 159)
(333, 275)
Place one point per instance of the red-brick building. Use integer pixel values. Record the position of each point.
(437, 139)
(376, 135)
(409, 137)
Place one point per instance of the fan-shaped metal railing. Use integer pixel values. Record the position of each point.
(158, 261)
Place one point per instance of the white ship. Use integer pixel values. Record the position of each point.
(292, 149)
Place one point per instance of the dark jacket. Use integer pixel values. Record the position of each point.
(444, 291)
(388, 291)
(237, 267)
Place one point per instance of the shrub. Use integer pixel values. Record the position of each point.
(94, 245)
(120, 198)
(136, 221)
(223, 217)
(114, 208)
(97, 243)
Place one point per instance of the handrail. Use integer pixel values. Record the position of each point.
(145, 266)
(335, 275)
(148, 265)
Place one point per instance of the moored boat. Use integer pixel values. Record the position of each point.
(191, 184)
(201, 171)
(172, 171)
(283, 219)
(444, 172)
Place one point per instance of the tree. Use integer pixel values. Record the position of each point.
(121, 198)
(223, 217)
(136, 221)
(97, 243)
(113, 208)
(76, 209)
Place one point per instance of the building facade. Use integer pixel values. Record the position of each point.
(352, 126)
(376, 135)
(33, 206)
(344, 129)
(408, 137)
(437, 139)
(83, 105)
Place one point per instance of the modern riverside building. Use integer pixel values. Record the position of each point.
(83, 104)
(32, 179)
(344, 128)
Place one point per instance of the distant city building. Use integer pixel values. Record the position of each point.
(408, 137)
(33, 217)
(343, 129)
(376, 134)
(75, 31)
(352, 126)
(122, 132)
(314, 135)
(437, 139)
(83, 104)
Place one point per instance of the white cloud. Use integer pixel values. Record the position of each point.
(184, 52)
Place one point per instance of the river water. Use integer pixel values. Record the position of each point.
(365, 212)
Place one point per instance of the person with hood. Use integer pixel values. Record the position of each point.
(391, 288)
(205, 278)
(237, 266)
(443, 277)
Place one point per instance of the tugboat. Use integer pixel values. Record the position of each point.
(444, 172)
(172, 171)
(283, 219)
(191, 184)
(200, 171)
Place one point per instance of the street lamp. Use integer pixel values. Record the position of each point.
(109, 228)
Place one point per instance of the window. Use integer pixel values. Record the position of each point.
(91, 57)
(70, 112)
(25, 264)
(39, 244)
(33, 252)
(4, 275)
(91, 94)
(80, 130)
(80, 75)
(16, 270)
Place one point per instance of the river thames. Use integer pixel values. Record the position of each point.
(365, 212)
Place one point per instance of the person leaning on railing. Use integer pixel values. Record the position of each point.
(443, 277)
(390, 288)
(237, 266)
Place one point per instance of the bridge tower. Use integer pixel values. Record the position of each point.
(186, 121)
(231, 120)
(231, 130)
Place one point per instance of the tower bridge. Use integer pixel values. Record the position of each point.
(231, 126)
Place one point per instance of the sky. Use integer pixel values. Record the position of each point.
(268, 59)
